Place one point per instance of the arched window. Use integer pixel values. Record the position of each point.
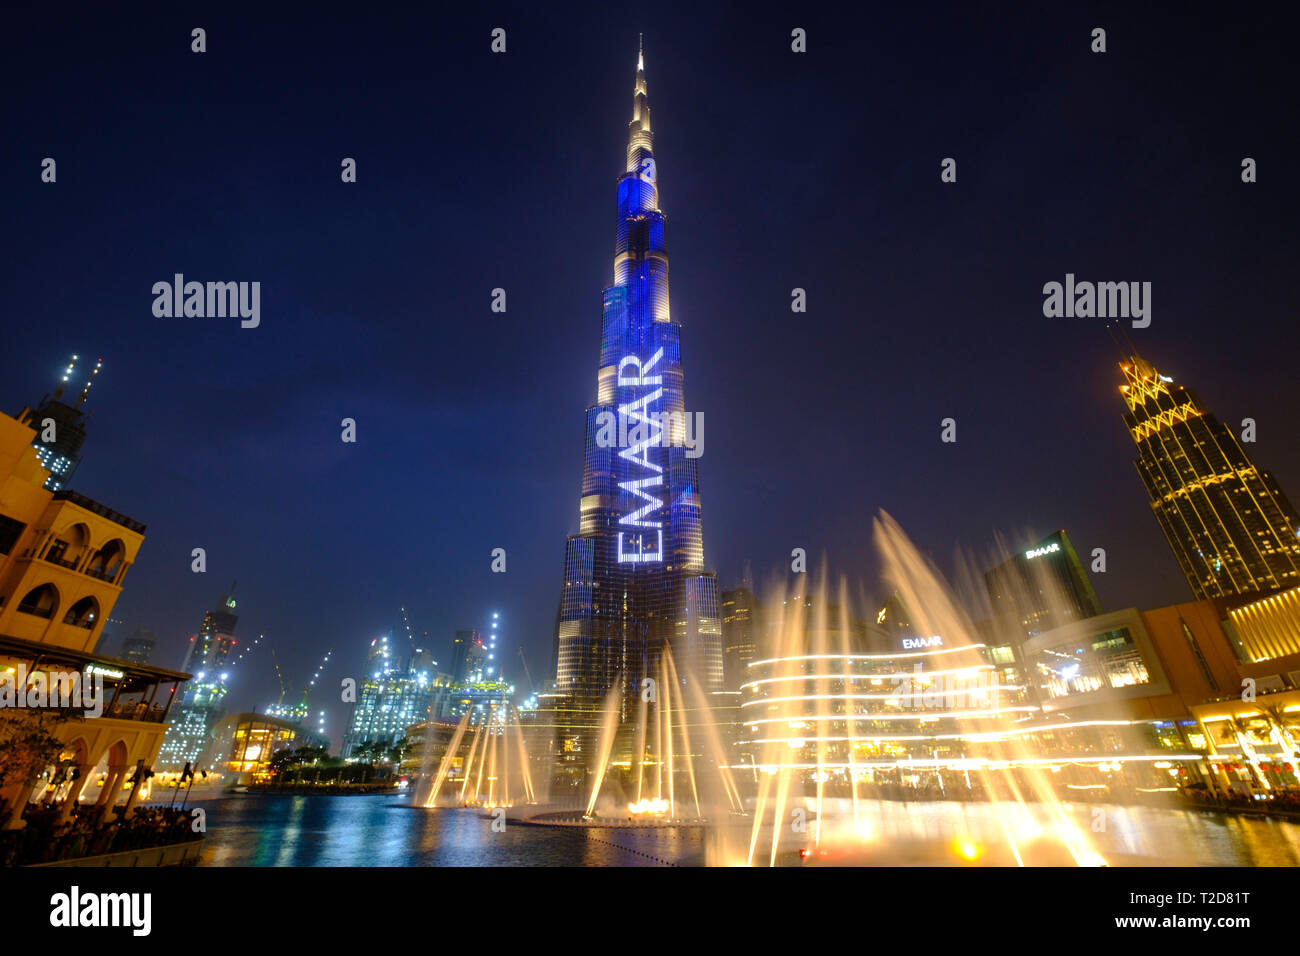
(69, 546)
(107, 560)
(41, 601)
(83, 614)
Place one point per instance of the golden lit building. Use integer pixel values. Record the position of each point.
(1233, 531)
(249, 741)
(1216, 679)
(63, 558)
(1253, 725)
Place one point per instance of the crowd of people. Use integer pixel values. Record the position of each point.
(46, 838)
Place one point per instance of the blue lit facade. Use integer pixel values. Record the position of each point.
(634, 575)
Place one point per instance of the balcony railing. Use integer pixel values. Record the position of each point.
(150, 715)
(62, 562)
(96, 508)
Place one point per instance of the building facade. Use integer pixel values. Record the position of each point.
(210, 648)
(1228, 523)
(635, 583)
(191, 737)
(392, 697)
(63, 559)
(467, 654)
(245, 744)
(138, 646)
(1042, 587)
(741, 630)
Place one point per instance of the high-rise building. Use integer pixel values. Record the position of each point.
(740, 634)
(138, 645)
(210, 648)
(60, 429)
(422, 662)
(1232, 530)
(386, 705)
(190, 738)
(635, 583)
(1041, 588)
(468, 654)
(389, 699)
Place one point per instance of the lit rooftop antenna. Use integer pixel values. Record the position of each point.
(99, 363)
(67, 374)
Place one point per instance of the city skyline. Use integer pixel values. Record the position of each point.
(364, 508)
(180, 442)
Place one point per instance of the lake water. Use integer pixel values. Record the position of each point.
(382, 830)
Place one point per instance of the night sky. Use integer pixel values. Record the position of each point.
(776, 170)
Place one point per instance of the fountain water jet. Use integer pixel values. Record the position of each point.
(813, 684)
(605, 744)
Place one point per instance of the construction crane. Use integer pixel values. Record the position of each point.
(524, 661)
(283, 686)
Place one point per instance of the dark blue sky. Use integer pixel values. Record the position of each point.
(776, 170)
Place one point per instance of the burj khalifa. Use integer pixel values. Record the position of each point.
(635, 583)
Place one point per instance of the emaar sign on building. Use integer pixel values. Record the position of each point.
(919, 643)
(641, 412)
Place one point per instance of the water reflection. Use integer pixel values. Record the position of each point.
(283, 830)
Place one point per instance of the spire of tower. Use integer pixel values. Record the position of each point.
(640, 140)
(1125, 354)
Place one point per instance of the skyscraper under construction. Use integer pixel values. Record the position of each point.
(1230, 527)
(60, 429)
(634, 577)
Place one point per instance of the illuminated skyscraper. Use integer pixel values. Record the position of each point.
(634, 575)
(1041, 588)
(467, 656)
(741, 628)
(211, 647)
(190, 737)
(60, 429)
(1228, 523)
(138, 646)
(390, 697)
